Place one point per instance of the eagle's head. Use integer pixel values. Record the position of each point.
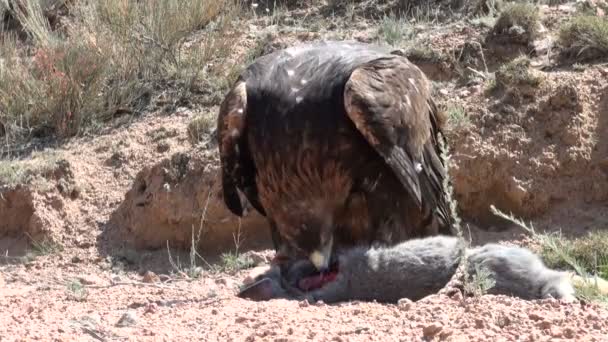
(309, 229)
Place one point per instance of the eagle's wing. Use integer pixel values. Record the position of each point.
(389, 101)
(238, 169)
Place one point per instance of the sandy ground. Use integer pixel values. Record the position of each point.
(206, 309)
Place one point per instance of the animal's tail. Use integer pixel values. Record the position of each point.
(600, 283)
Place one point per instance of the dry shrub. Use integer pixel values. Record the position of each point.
(585, 37)
(518, 23)
(111, 56)
(199, 127)
(589, 251)
(53, 91)
(517, 79)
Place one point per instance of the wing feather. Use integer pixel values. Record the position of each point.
(238, 169)
(389, 102)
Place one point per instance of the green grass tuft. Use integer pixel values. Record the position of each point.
(585, 37)
(520, 21)
(585, 256)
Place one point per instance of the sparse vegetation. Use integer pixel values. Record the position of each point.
(480, 282)
(108, 62)
(518, 78)
(519, 22)
(233, 261)
(45, 246)
(23, 171)
(585, 37)
(76, 291)
(589, 251)
(585, 256)
(423, 54)
(457, 116)
(200, 126)
(394, 30)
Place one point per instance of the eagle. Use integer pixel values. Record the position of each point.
(336, 143)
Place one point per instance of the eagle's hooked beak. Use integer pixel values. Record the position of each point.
(321, 257)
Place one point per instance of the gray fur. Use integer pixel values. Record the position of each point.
(519, 272)
(412, 269)
(420, 267)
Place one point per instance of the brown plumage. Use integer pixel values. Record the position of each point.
(336, 144)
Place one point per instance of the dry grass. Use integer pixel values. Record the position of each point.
(589, 251)
(111, 57)
(585, 256)
(15, 172)
(517, 77)
(394, 30)
(519, 22)
(585, 37)
(457, 116)
(200, 126)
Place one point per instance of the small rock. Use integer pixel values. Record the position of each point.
(456, 295)
(464, 93)
(593, 317)
(151, 308)
(240, 319)
(76, 259)
(163, 146)
(445, 333)
(128, 318)
(479, 323)
(91, 279)
(214, 311)
(304, 304)
(150, 277)
(535, 316)
(405, 304)
(432, 329)
(569, 333)
(545, 325)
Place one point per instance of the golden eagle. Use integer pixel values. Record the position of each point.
(336, 144)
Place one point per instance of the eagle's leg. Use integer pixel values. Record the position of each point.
(275, 236)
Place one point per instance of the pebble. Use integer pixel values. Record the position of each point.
(544, 325)
(91, 279)
(151, 308)
(405, 304)
(535, 316)
(128, 318)
(569, 333)
(150, 277)
(432, 329)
